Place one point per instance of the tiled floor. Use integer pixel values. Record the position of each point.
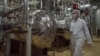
(94, 51)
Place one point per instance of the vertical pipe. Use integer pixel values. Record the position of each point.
(20, 49)
(62, 5)
(88, 1)
(8, 35)
(28, 42)
(47, 5)
(4, 10)
(5, 6)
(70, 38)
(61, 9)
(54, 5)
(28, 37)
(53, 54)
(8, 45)
(18, 2)
(89, 19)
(26, 5)
(41, 4)
(83, 5)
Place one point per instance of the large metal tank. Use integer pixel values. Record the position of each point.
(43, 28)
(98, 18)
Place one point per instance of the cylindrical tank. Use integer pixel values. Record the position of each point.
(98, 18)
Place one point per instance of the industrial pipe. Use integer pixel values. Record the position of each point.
(28, 37)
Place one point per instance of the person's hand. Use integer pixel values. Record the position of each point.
(89, 45)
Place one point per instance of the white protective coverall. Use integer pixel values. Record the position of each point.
(79, 33)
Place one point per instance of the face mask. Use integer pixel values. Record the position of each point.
(75, 16)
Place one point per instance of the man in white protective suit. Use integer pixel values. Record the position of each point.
(79, 33)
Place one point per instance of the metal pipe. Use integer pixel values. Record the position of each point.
(62, 5)
(41, 4)
(4, 10)
(88, 1)
(84, 4)
(28, 37)
(28, 41)
(54, 5)
(47, 4)
(20, 49)
(90, 13)
(61, 11)
(26, 6)
(5, 6)
(8, 44)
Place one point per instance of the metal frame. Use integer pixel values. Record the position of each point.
(28, 37)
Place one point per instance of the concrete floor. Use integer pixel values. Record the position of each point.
(94, 51)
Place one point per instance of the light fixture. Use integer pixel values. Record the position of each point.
(81, 6)
(69, 9)
(86, 5)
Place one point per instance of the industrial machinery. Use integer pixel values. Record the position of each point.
(35, 25)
